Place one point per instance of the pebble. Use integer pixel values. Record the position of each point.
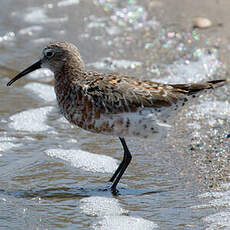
(201, 22)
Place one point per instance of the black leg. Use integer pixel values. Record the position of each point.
(122, 167)
(117, 170)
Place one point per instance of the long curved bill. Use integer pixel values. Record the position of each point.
(30, 69)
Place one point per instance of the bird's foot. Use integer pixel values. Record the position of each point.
(114, 191)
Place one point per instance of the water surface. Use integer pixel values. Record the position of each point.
(53, 175)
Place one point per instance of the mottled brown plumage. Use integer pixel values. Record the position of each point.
(113, 104)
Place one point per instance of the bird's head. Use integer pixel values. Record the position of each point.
(55, 56)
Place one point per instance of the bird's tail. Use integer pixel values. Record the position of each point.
(193, 88)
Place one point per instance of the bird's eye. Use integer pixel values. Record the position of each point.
(49, 53)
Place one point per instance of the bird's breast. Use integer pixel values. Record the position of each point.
(76, 106)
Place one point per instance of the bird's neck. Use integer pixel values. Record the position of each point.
(71, 69)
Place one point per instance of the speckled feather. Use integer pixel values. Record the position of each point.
(113, 103)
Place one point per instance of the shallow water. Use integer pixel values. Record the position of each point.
(53, 175)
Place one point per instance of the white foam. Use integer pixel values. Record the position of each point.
(31, 30)
(44, 75)
(126, 64)
(71, 141)
(220, 109)
(85, 160)
(42, 41)
(9, 36)
(194, 71)
(6, 143)
(96, 24)
(211, 111)
(217, 200)
(101, 206)
(211, 195)
(111, 215)
(45, 92)
(113, 30)
(37, 15)
(32, 120)
(219, 220)
(4, 146)
(124, 223)
(67, 2)
(63, 120)
(113, 64)
(7, 139)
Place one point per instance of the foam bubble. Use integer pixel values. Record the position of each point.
(113, 30)
(35, 15)
(6, 143)
(96, 24)
(30, 31)
(194, 71)
(42, 41)
(38, 15)
(67, 2)
(101, 206)
(32, 120)
(113, 64)
(111, 215)
(213, 111)
(219, 220)
(211, 195)
(220, 199)
(9, 36)
(7, 139)
(85, 160)
(124, 223)
(45, 92)
(220, 109)
(4, 146)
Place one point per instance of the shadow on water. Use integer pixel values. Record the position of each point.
(69, 193)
